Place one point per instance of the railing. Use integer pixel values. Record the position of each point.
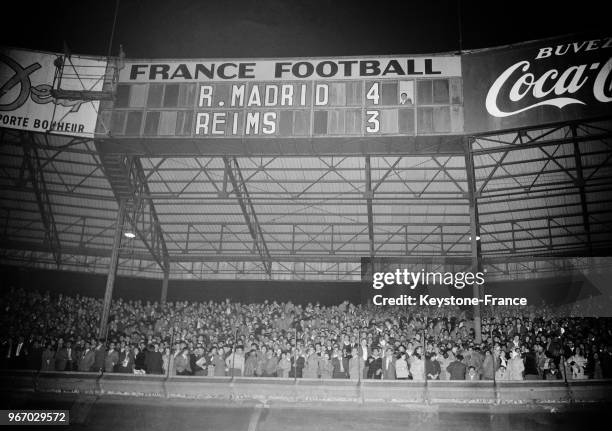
(310, 390)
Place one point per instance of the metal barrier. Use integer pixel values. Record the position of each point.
(309, 390)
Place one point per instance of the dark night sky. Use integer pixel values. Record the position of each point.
(289, 28)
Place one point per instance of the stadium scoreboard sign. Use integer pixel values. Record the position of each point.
(340, 97)
(320, 105)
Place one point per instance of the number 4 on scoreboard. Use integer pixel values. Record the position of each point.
(373, 94)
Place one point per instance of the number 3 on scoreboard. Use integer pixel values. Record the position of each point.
(373, 122)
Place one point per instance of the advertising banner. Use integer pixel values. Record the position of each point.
(537, 83)
(27, 81)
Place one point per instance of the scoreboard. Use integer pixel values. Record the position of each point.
(285, 98)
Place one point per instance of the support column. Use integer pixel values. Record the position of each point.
(474, 234)
(369, 195)
(164, 292)
(112, 270)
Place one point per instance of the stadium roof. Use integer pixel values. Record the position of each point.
(541, 193)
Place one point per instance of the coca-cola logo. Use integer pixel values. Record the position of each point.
(524, 86)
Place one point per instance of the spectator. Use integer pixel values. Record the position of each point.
(153, 361)
(139, 361)
(552, 373)
(472, 374)
(355, 365)
(388, 366)
(298, 362)
(326, 368)
(457, 369)
(375, 365)
(218, 363)
(125, 360)
(48, 359)
(597, 369)
(417, 365)
(87, 359)
(541, 359)
(284, 366)
(64, 359)
(432, 367)
(500, 374)
(19, 354)
(99, 356)
(340, 364)
(234, 362)
(262, 358)
(112, 358)
(181, 364)
(488, 366)
(311, 365)
(473, 358)
(270, 364)
(401, 367)
(515, 365)
(576, 363)
(198, 362)
(444, 362)
(35, 357)
(79, 348)
(530, 364)
(364, 352)
(250, 363)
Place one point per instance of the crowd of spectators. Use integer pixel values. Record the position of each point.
(270, 339)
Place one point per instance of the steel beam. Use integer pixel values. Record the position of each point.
(474, 233)
(248, 211)
(112, 271)
(369, 194)
(164, 290)
(39, 186)
(8, 249)
(128, 181)
(143, 216)
(580, 184)
(301, 147)
(540, 144)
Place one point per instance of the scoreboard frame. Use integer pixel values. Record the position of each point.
(207, 116)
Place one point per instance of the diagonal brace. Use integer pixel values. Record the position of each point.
(32, 161)
(248, 211)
